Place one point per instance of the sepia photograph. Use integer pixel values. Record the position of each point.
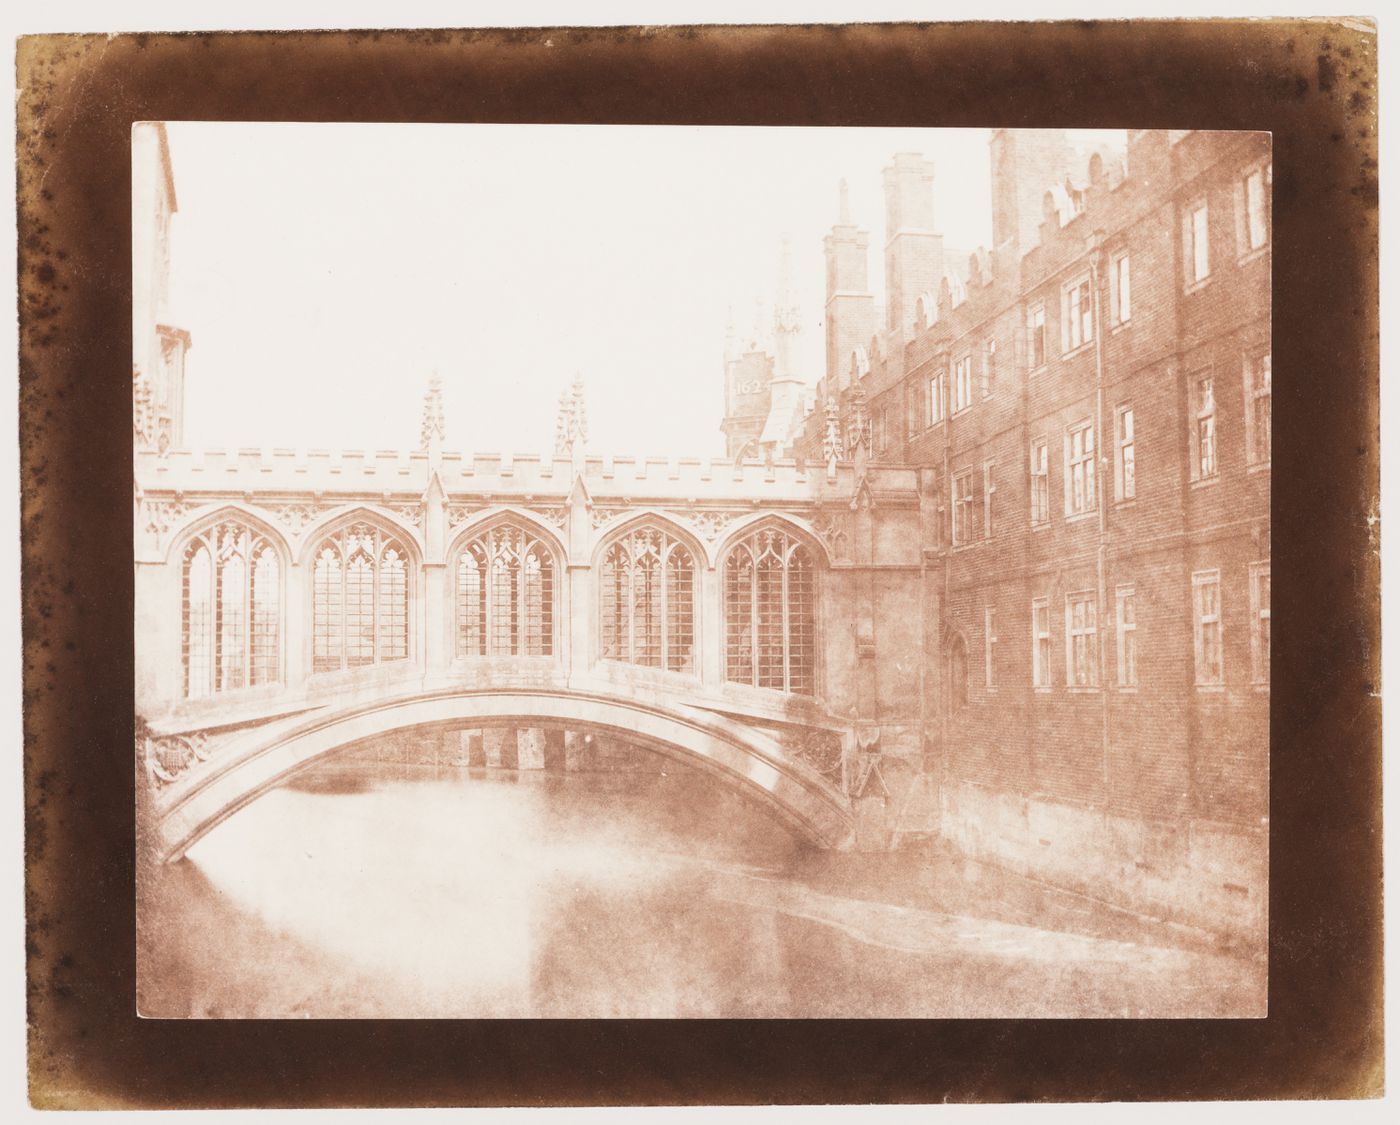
(616, 571)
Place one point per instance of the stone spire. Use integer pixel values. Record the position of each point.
(845, 219)
(787, 315)
(434, 424)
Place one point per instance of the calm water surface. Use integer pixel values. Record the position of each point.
(383, 891)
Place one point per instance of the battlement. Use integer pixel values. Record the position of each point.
(525, 476)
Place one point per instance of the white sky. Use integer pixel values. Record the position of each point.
(325, 270)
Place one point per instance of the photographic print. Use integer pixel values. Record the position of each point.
(641, 571)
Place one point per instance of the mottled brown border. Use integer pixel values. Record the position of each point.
(1311, 84)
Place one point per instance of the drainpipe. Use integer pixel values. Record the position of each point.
(945, 551)
(1095, 243)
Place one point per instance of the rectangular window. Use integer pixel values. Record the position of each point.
(1035, 337)
(989, 368)
(989, 633)
(1205, 591)
(962, 384)
(1076, 315)
(962, 507)
(1040, 642)
(1040, 481)
(1252, 208)
(1127, 636)
(1081, 640)
(1197, 236)
(1259, 417)
(1259, 595)
(989, 492)
(937, 398)
(1125, 458)
(1079, 469)
(1120, 292)
(1203, 444)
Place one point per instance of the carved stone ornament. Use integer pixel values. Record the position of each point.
(294, 517)
(162, 515)
(166, 758)
(834, 530)
(457, 514)
(710, 525)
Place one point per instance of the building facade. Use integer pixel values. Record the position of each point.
(1091, 398)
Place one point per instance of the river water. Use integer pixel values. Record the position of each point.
(374, 890)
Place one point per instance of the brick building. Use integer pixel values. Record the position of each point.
(1089, 406)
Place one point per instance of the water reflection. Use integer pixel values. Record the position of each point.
(374, 889)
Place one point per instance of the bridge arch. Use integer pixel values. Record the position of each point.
(259, 760)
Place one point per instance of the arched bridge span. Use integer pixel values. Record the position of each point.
(252, 762)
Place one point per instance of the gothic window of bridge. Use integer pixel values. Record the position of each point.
(647, 601)
(770, 613)
(231, 605)
(359, 599)
(505, 595)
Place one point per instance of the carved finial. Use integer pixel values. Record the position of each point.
(434, 423)
(832, 450)
(571, 428)
(143, 411)
(580, 423)
(563, 423)
(860, 419)
(845, 203)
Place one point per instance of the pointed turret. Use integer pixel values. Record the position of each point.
(850, 306)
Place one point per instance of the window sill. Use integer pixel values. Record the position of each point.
(1123, 505)
(959, 548)
(1120, 326)
(1078, 349)
(1206, 482)
(1260, 467)
(1038, 370)
(1080, 517)
(1196, 286)
(1127, 689)
(1044, 525)
(1082, 689)
(1042, 690)
(1211, 689)
(1260, 687)
(1253, 255)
